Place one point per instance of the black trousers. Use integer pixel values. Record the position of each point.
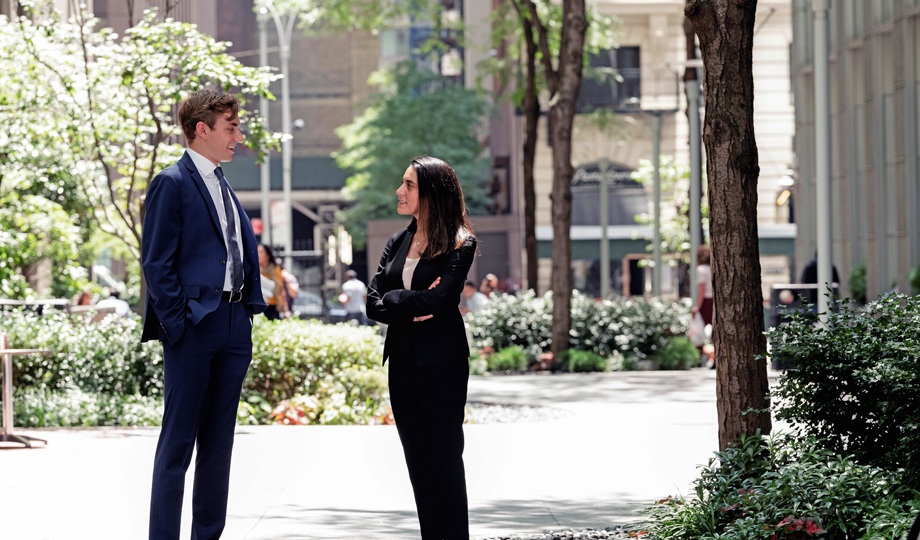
(428, 406)
(203, 376)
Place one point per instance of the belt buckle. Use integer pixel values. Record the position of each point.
(236, 296)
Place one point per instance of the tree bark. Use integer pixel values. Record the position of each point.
(571, 61)
(726, 32)
(564, 82)
(531, 118)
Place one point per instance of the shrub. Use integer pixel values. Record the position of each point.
(478, 365)
(100, 374)
(337, 366)
(768, 488)
(857, 382)
(635, 328)
(857, 281)
(106, 357)
(514, 321)
(679, 353)
(73, 407)
(507, 359)
(582, 361)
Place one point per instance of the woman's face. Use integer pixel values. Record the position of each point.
(408, 194)
(263, 257)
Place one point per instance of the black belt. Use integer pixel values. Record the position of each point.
(232, 296)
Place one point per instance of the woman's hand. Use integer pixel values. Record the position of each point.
(426, 317)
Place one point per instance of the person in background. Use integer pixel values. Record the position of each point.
(122, 309)
(291, 287)
(354, 298)
(85, 298)
(489, 285)
(704, 283)
(471, 301)
(270, 270)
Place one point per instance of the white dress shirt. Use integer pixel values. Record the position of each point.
(206, 170)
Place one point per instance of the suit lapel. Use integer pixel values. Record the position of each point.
(203, 189)
(399, 260)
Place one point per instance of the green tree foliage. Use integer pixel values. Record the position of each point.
(89, 118)
(675, 212)
(424, 114)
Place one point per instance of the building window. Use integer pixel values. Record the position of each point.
(612, 81)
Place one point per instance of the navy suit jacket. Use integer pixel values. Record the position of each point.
(440, 338)
(184, 256)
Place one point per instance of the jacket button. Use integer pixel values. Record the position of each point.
(217, 289)
(223, 262)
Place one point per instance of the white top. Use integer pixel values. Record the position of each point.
(408, 270)
(121, 307)
(356, 291)
(206, 170)
(475, 303)
(704, 276)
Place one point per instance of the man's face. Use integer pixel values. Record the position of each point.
(219, 144)
(469, 291)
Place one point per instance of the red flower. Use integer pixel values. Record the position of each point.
(812, 528)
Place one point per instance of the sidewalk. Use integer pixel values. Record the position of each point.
(632, 438)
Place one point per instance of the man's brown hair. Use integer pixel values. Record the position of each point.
(204, 106)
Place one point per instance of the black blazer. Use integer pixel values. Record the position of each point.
(440, 338)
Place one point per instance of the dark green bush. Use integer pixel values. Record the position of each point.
(679, 353)
(857, 282)
(857, 382)
(748, 490)
(508, 359)
(581, 361)
(635, 328)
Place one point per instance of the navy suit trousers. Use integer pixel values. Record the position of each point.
(203, 377)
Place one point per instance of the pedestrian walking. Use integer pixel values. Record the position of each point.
(703, 305)
(416, 291)
(199, 257)
(354, 298)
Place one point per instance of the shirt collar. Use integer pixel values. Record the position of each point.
(204, 165)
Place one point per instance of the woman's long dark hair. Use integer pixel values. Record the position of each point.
(441, 206)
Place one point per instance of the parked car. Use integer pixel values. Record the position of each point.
(309, 305)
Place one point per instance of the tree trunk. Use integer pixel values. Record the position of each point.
(562, 114)
(726, 33)
(531, 117)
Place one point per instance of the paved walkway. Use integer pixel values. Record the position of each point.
(631, 438)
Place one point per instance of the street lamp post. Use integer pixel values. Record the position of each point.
(265, 168)
(604, 166)
(285, 31)
(823, 154)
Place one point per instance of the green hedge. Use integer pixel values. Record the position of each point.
(636, 329)
(777, 488)
(104, 358)
(339, 367)
(100, 373)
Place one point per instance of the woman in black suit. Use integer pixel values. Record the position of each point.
(416, 292)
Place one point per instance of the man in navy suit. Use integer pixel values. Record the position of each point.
(201, 264)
